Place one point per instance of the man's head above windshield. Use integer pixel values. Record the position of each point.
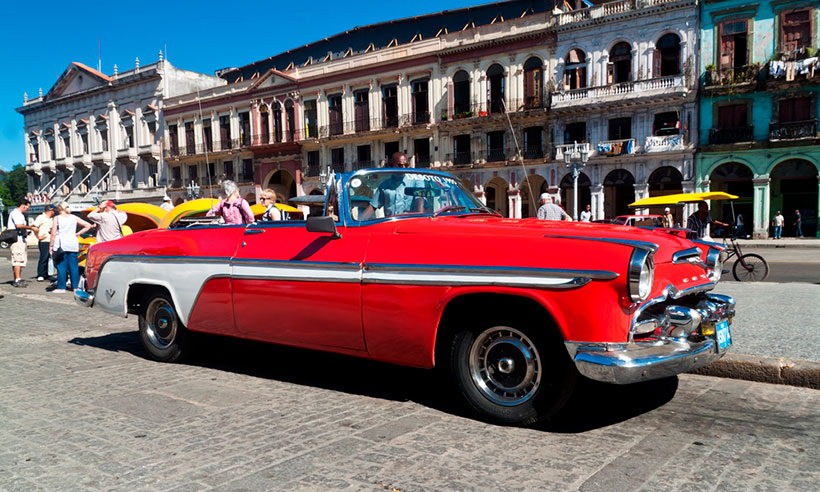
(398, 159)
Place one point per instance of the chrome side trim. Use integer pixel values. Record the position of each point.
(492, 270)
(651, 247)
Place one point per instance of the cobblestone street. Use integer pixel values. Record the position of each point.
(83, 408)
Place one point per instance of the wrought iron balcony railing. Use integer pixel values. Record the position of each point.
(719, 136)
(793, 130)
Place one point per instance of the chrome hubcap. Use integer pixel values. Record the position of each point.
(161, 323)
(505, 366)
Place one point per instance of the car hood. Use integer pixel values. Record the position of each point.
(583, 232)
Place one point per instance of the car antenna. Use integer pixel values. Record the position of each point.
(205, 146)
(518, 149)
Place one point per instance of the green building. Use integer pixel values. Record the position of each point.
(759, 100)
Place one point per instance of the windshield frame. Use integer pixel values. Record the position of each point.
(347, 177)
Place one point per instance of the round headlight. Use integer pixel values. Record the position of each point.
(641, 275)
(714, 261)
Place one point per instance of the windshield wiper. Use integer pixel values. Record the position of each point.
(448, 208)
(486, 210)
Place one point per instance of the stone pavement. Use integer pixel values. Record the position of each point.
(83, 409)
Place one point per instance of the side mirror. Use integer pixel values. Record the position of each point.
(323, 223)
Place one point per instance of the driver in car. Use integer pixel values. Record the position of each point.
(391, 196)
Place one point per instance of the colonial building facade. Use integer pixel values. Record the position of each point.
(758, 109)
(492, 93)
(95, 137)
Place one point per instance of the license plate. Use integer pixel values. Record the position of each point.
(724, 336)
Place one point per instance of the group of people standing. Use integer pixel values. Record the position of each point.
(549, 210)
(58, 236)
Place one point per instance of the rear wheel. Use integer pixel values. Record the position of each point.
(511, 375)
(750, 268)
(161, 330)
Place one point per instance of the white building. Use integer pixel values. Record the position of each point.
(97, 137)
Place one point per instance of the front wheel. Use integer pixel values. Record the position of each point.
(750, 268)
(511, 376)
(161, 330)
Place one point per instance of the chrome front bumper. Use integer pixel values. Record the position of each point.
(84, 298)
(682, 339)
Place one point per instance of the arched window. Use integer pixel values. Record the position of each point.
(575, 70)
(277, 122)
(619, 68)
(667, 56)
(461, 93)
(533, 81)
(495, 89)
(291, 120)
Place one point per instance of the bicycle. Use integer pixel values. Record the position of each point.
(748, 267)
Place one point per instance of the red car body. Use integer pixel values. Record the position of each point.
(387, 289)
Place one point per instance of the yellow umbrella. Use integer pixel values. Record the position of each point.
(681, 198)
(188, 209)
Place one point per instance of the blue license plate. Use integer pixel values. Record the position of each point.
(724, 336)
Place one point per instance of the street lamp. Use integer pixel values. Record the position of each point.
(193, 190)
(571, 156)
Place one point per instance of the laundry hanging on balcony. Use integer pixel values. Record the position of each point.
(615, 148)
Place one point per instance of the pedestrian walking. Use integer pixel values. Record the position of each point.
(109, 221)
(19, 255)
(233, 209)
(778, 225)
(166, 204)
(798, 224)
(668, 220)
(551, 211)
(700, 221)
(42, 228)
(586, 214)
(740, 228)
(64, 246)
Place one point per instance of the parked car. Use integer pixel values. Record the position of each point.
(408, 267)
(639, 220)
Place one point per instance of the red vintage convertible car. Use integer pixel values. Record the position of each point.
(408, 267)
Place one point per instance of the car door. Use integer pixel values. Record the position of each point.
(295, 287)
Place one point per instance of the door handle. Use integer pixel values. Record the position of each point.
(249, 232)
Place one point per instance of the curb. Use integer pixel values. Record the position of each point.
(765, 370)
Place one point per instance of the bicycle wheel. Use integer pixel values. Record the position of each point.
(750, 268)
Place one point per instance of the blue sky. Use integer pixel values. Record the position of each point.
(39, 40)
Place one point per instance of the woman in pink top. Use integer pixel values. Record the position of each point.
(233, 209)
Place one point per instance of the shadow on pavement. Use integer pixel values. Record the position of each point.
(594, 406)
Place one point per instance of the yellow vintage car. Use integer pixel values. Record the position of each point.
(141, 217)
(200, 207)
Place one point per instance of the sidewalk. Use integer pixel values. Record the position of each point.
(786, 242)
(774, 337)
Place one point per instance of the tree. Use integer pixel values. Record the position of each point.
(13, 185)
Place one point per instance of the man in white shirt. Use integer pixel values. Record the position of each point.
(109, 221)
(166, 204)
(19, 255)
(42, 227)
(586, 215)
(551, 211)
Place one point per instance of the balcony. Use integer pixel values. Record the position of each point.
(665, 143)
(422, 161)
(723, 136)
(534, 152)
(363, 165)
(337, 167)
(101, 156)
(793, 70)
(598, 13)
(496, 155)
(672, 85)
(461, 159)
(390, 121)
(741, 78)
(560, 150)
(149, 149)
(420, 118)
(793, 130)
(610, 148)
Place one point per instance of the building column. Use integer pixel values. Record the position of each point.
(597, 197)
(256, 123)
(761, 208)
(689, 187)
(514, 203)
(641, 192)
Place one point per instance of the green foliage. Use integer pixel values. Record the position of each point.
(13, 185)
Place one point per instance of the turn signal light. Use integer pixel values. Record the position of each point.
(707, 329)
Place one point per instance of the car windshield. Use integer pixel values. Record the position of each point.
(380, 194)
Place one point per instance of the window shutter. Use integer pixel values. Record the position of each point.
(581, 77)
(528, 85)
(657, 58)
(610, 73)
(450, 98)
